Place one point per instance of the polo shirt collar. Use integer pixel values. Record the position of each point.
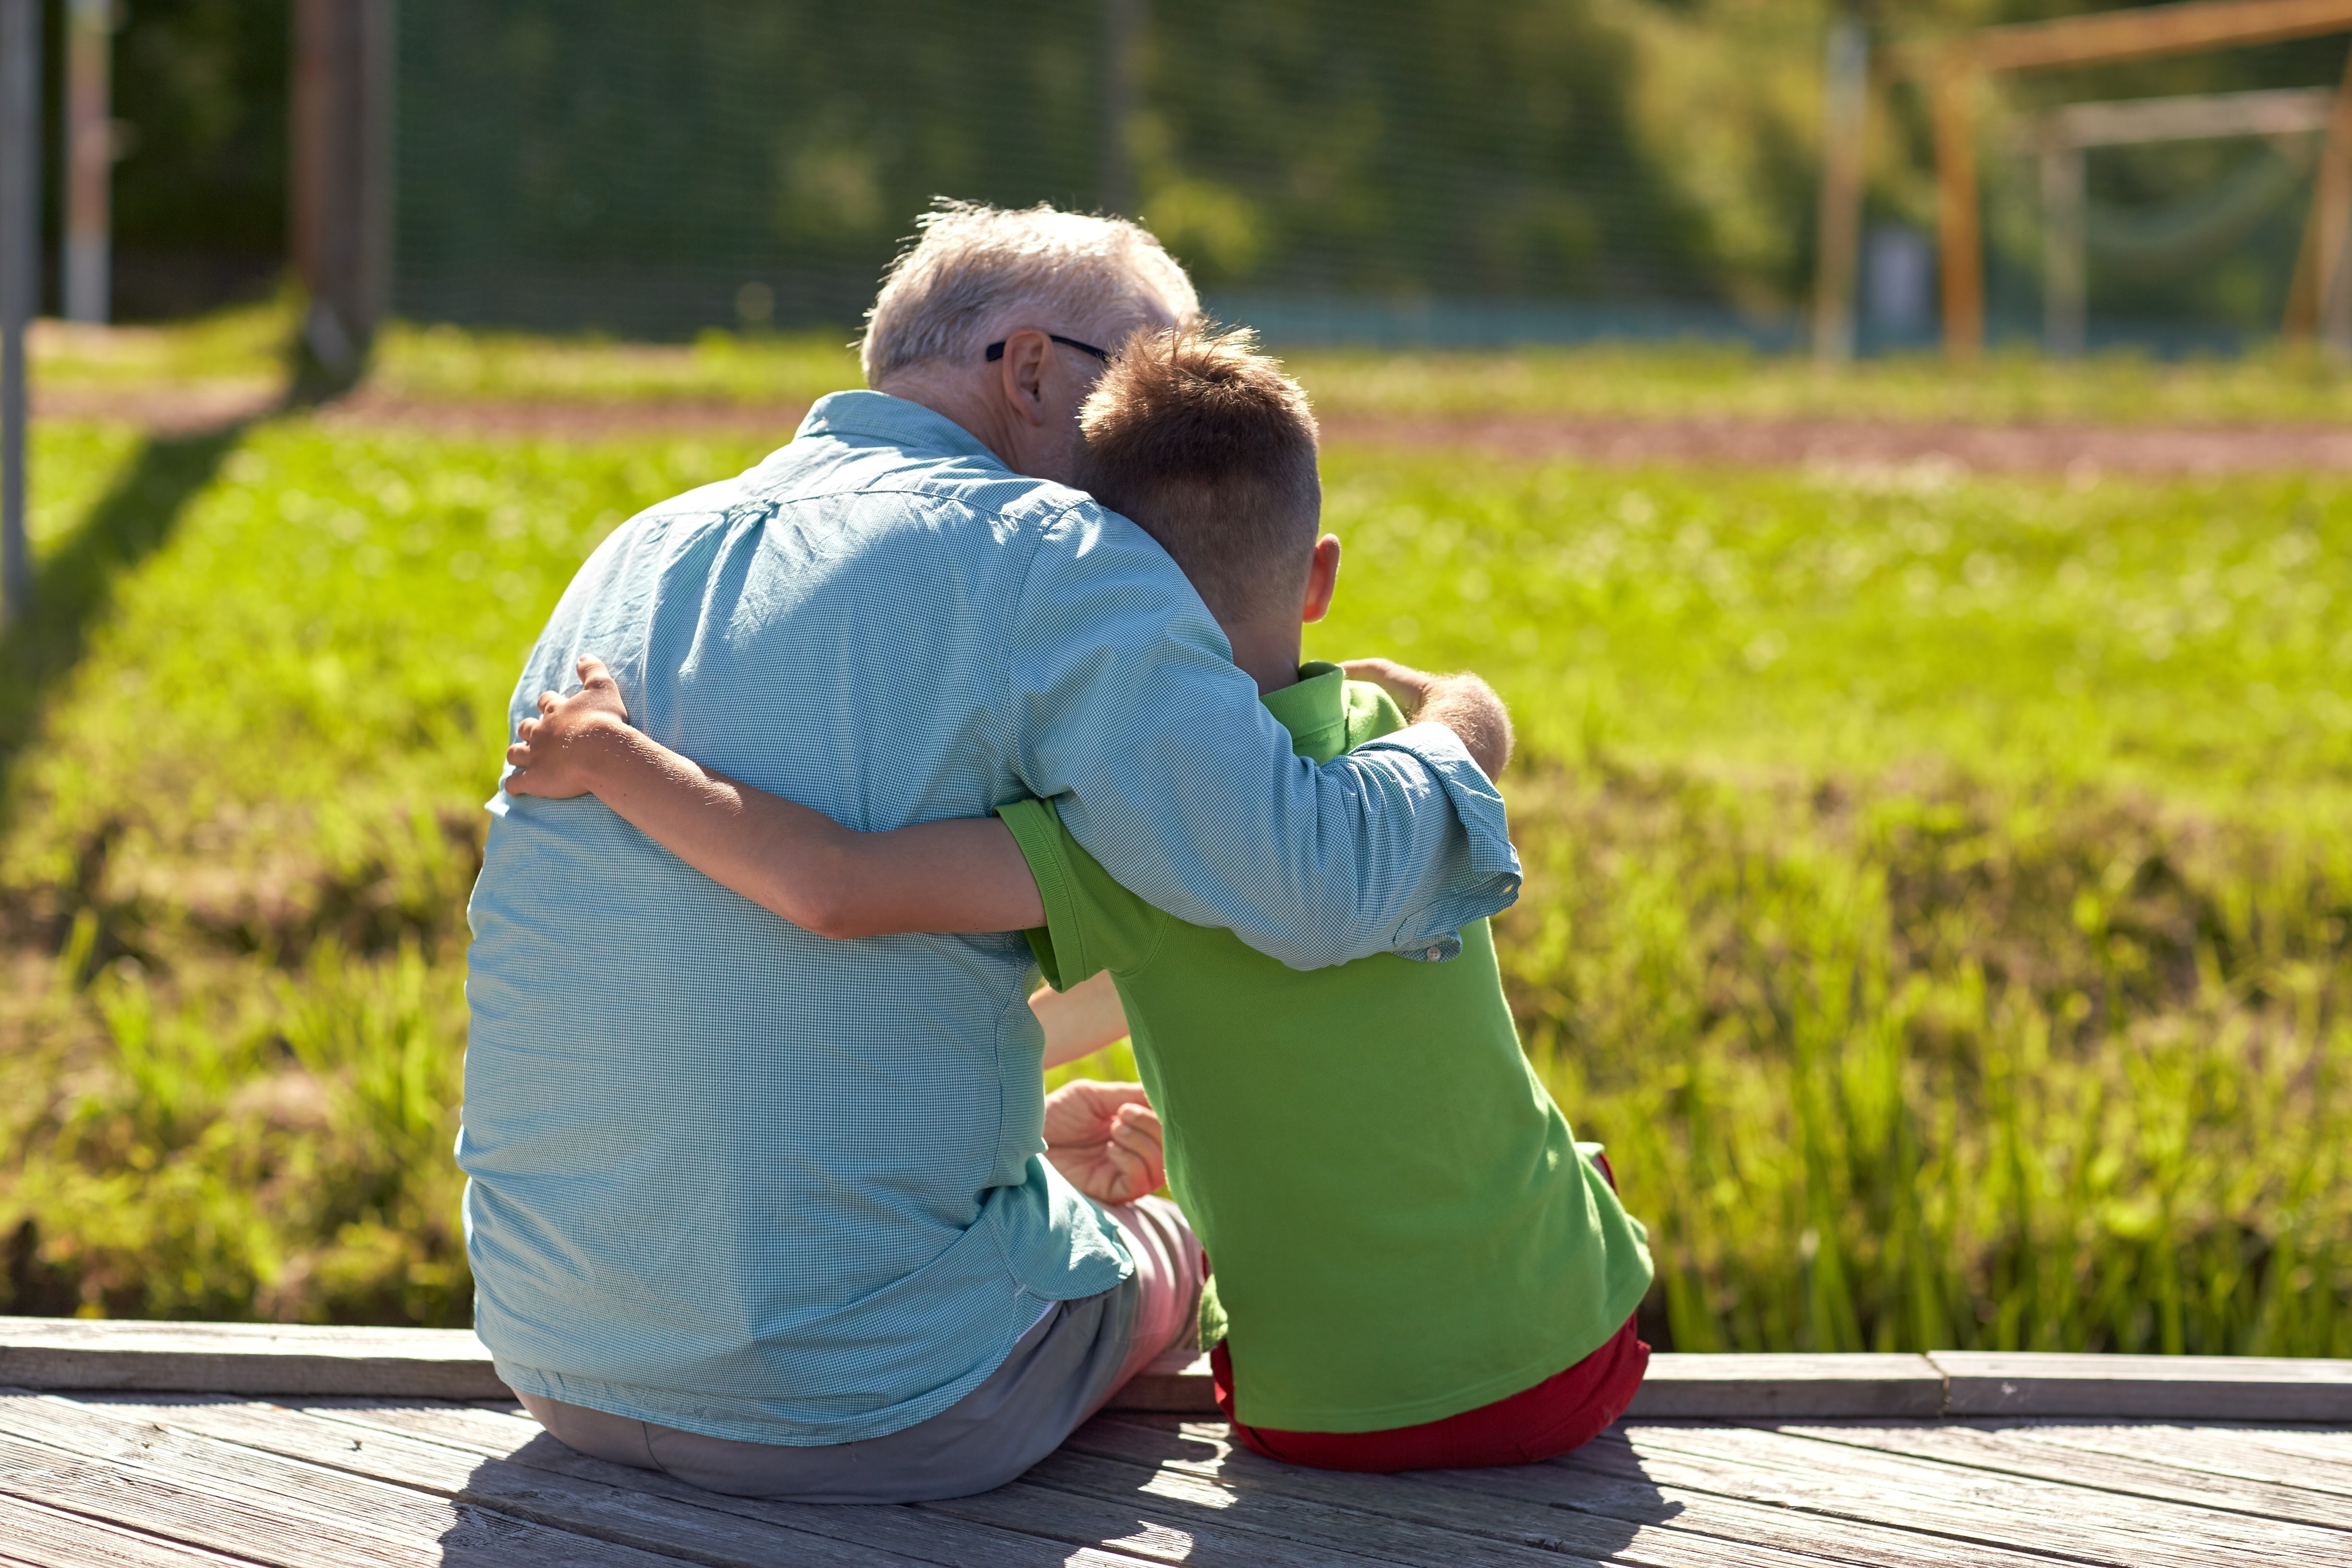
(878, 416)
(1315, 710)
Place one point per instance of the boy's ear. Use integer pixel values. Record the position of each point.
(1322, 578)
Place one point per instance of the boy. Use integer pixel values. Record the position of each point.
(1415, 1266)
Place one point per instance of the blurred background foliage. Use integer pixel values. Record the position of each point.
(1488, 170)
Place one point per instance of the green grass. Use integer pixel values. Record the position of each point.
(1939, 893)
(245, 347)
(247, 737)
(1650, 381)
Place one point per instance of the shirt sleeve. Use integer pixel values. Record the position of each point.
(1130, 715)
(1092, 923)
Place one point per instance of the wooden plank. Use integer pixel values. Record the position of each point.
(1177, 1381)
(63, 1354)
(2148, 32)
(2010, 1452)
(1726, 1387)
(1610, 1480)
(606, 1511)
(1153, 1528)
(517, 1438)
(1743, 1388)
(1970, 1505)
(53, 1539)
(1190, 1500)
(2265, 112)
(295, 1360)
(1297, 1515)
(286, 1528)
(2249, 1453)
(2190, 1388)
(1205, 1450)
(67, 1353)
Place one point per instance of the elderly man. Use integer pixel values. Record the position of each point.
(768, 1210)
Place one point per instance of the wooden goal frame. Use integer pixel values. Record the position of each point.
(1955, 69)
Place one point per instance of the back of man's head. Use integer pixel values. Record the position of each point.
(976, 269)
(1210, 448)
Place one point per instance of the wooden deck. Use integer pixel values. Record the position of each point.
(130, 1445)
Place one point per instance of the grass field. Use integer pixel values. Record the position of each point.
(1939, 894)
(243, 348)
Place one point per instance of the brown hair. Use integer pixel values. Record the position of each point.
(1210, 448)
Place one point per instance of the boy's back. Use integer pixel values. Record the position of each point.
(1400, 1225)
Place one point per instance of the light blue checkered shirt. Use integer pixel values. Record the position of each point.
(731, 1177)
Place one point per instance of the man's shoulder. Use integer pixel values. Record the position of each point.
(866, 444)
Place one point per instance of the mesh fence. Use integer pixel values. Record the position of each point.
(659, 169)
(1485, 171)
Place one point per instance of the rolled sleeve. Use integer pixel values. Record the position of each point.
(1131, 716)
(1489, 877)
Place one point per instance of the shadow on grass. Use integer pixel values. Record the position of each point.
(73, 586)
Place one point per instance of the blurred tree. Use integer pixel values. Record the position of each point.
(200, 189)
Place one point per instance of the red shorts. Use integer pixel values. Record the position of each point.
(1565, 1411)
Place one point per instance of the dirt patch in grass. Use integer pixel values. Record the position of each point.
(2078, 450)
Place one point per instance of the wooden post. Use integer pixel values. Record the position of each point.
(90, 159)
(2149, 32)
(342, 197)
(2316, 262)
(20, 275)
(1122, 37)
(1846, 99)
(2329, 292)
(2063, 291)
(1961, 250)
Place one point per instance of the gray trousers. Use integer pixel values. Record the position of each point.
(1059, 1374)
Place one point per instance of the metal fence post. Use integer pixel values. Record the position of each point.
(2063, 273)
(1123, 22)
(20, 271)
(1845, 100)
(90, 159)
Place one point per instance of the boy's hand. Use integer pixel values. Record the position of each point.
(1463, 703)
(555, 752)
(1104, 1137)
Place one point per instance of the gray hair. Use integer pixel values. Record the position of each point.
(974, 268)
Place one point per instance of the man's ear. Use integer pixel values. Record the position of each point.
(1322, 578)
(1024, 374)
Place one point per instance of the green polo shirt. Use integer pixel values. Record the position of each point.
(1399, 1224)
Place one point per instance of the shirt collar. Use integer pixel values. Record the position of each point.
(879, 416)
(1315, 710)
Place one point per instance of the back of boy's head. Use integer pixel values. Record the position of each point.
(1209, 449)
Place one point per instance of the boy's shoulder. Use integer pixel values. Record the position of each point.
(1371, 713)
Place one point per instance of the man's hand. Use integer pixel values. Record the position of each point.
(1463, 703)
(1104, 1137)
(555, 751)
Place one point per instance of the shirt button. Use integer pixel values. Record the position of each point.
(1434, 954)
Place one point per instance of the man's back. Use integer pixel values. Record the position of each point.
(661, 1158)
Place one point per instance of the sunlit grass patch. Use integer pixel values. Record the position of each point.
(1671, 381)
(449, 362)
(2192, 636)
(1940, 892)
(248, 347)
(238, 835)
